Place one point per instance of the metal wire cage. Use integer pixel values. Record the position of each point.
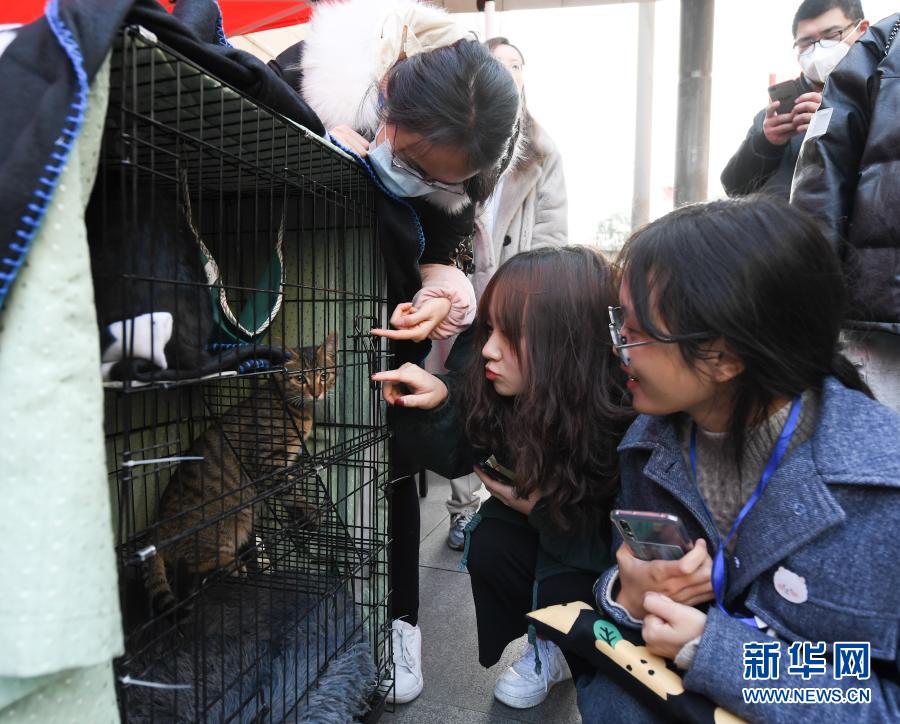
(237, 277)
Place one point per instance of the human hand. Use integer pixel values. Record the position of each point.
(506, 493)
(669, 625)
(351, 139)
(805, 108)
(425, 390)
(687, 580)
(778, 128)
(416, 323)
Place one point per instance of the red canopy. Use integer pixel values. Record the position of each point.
(238, 16)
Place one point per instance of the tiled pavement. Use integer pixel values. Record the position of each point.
(457, 688)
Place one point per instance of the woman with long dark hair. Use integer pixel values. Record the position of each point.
(541, 404)
(761, 437)
(432, 117)
(527, 210)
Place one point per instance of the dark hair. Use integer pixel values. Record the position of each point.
(756, 273)
(458, 95)
(810, 9)
(560, 434)
(529, 151)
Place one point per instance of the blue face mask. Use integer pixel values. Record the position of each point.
(396, 180)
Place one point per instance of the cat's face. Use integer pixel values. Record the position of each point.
(313, 371)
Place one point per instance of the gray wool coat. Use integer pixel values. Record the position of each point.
(831, 515)
(532, 213)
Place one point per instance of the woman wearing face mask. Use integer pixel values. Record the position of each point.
(399, 84)
(432, 116)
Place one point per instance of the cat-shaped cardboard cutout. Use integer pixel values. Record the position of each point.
(577, 627)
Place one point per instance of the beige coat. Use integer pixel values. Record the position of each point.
(532, 213)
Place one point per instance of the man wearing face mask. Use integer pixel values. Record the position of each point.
(847, 178)
(823, 32)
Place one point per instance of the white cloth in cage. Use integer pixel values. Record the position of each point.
(144, 337)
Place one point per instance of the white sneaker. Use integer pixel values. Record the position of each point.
(521, 688)
(407, 644)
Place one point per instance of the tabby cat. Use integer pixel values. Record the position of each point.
(252, 441)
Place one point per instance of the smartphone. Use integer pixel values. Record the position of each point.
(787, 93)
(652, 536)
(495, 470)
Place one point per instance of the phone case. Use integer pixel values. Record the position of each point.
(787, 93)
(495, 470)
(652, 536)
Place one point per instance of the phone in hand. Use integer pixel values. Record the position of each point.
(652, 536)
(495, 470)
(785, 92)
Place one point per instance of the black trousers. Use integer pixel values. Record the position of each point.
(403, 556)
(501, 563)
(404, 524)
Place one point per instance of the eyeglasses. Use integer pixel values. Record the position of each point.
(459, 188)
(621, 344)
(828, 40)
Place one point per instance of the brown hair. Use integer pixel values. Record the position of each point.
(560, 434)
(530, 152)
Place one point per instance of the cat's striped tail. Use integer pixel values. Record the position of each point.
(162, 599)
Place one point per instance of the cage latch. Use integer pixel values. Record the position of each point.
(128, 681)
(364, 341)
(142, 555)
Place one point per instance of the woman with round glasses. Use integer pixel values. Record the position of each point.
(399, 84)
(432, 116)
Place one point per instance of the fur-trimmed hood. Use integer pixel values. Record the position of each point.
(341, 79)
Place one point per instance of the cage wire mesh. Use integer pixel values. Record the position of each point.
(237, 278)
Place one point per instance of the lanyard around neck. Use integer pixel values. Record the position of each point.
(778, 453)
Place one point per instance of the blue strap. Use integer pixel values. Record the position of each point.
(248, 365)
(778, 453)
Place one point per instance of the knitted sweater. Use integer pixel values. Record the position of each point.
(717, 469)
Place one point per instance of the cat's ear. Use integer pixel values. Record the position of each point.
(292, 355)
(330, 347)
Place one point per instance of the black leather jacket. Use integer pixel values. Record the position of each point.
(849, 177)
